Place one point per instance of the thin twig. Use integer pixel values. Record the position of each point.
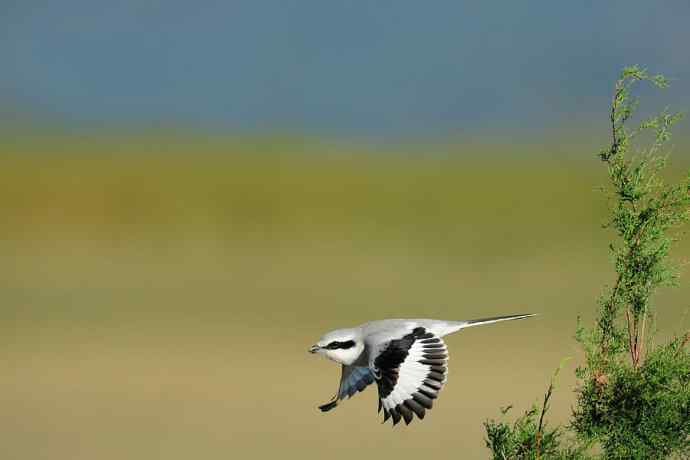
(685, 341)
(545, 407)
(631, 343)
(642, 330)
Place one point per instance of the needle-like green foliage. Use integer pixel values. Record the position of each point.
(638, 412)
(633, 402)
(644, 210)
(529, 437)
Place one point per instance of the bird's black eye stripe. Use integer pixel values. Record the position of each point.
(335, 345)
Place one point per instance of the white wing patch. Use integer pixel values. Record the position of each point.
(409, 373)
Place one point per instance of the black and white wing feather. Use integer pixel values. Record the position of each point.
(410, 372)
(352, 380)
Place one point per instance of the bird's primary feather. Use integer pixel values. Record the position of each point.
(410, 372)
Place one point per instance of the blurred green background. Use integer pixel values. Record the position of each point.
(158, 298)
(191, 194)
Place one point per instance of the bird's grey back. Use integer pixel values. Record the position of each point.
(377, 334)
(396, 327)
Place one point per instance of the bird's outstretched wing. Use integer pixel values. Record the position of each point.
(410, 372)
(352, 380)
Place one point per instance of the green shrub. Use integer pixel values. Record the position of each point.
(633, 401)
(640, 413)
(529, 437)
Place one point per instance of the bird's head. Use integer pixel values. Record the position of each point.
(342, 346)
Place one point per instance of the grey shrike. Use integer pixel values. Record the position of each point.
(405, 357)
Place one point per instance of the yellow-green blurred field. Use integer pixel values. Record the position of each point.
(157, 297)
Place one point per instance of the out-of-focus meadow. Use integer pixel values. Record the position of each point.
(158, 295)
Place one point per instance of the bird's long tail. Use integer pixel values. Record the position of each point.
(456, 326)
(495, 319)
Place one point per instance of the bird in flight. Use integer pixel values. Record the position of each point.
(407, 359)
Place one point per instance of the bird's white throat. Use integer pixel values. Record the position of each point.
(346, 357)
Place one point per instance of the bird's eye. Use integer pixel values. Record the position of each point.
(335, 345)
(346, 345)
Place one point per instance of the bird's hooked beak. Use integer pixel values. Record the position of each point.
(314, 349)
